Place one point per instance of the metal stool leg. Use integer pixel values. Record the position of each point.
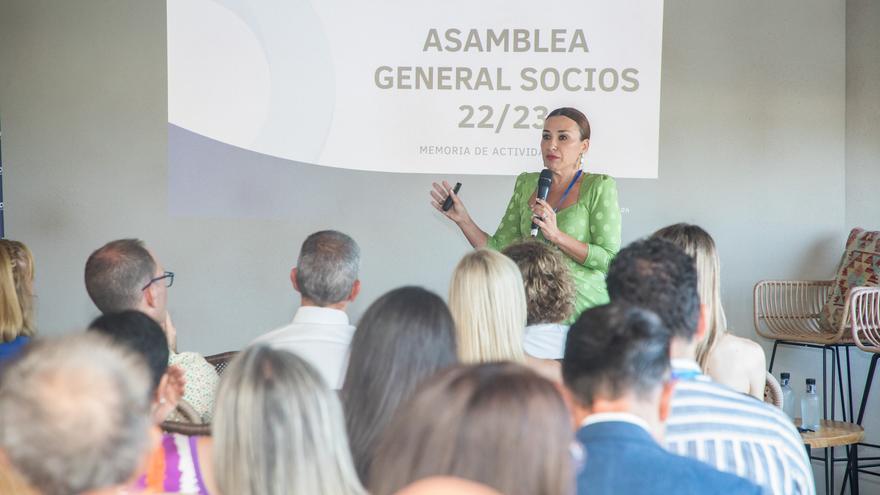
(773, 356)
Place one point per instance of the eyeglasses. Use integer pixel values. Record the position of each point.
(165, 276)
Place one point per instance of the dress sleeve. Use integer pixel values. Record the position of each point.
(508, 230)
(604, 214)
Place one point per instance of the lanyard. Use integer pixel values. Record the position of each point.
(567, 190)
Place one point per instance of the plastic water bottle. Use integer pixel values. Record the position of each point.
(788, 405)
(810, 407)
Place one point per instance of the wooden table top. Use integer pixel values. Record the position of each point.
(832, 434)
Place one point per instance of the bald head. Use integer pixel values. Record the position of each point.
(75, 414)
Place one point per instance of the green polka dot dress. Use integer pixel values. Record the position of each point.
(594, 220)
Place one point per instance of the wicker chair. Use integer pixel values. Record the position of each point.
(864, 313)
(773, 391)
(194, 425)
(789, 312)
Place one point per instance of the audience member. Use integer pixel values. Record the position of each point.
(75, 415)
(616, 367)
(404, 337)
(124, 275)
(16, 297)
(443, 485)
(708, 421)
(499, 424)
(488, 303)
(178, 464)
(326, 276)
(279, 429)
(549, 297)
(730, 360)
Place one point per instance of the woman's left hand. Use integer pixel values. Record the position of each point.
(545, 218)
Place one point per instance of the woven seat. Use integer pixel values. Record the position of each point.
(220, 361)
(791, 310)
(773, 391)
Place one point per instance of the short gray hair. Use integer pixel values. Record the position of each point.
(327, 267)
(75, 414)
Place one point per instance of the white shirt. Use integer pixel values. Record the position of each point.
(321, 336)
(623, 417)
(545, 340)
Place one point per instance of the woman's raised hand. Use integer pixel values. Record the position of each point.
(458, 213)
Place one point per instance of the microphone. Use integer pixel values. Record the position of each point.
(544, 182)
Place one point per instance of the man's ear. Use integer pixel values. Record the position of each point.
(576, 411)
(355, 290)
(150, 296)
(666, 399)
(703, 324)
(293, 279)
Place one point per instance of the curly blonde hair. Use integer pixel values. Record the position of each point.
(16, 290)
(547, 279)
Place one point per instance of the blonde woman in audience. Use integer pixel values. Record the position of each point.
(469, 422)
(488, 303)
(549, 297)
(16, 297)
(278, 429)
(730, 360)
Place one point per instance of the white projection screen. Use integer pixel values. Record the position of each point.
(450, 87)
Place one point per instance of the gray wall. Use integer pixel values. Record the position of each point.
(863, 113)
(769, 138)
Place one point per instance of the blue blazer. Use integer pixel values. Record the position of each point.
(622, 458)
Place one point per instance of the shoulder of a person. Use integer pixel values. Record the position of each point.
(189, 360)
(527, 177)
(721, 481)
(599, 180)
(742, 348)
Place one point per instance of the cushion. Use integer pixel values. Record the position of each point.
(860, 267)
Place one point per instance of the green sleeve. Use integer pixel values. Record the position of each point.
(508, 230)
(604, 225)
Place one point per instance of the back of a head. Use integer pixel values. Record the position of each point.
(139, 333)
(499, 424)
(487, 300)
(614, 350)
(444, 485)
(547, 279)
(116, 272)
(279, 429)
(404, 337)
(75, 414)
(327, 267)
(16, 290)
(656, 274)
(697, 243)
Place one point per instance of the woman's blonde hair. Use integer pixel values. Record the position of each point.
(16, 291)
(699, 245)
(488, 304)
(279, 429)
(547, 280)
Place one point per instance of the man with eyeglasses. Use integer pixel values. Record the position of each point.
(125, 275)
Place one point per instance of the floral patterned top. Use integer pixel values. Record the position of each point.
(201, 383)
(593, 219)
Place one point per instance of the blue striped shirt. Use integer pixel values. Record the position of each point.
(736, 433)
